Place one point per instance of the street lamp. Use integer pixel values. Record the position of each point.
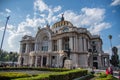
(3, 35)
(110, 37)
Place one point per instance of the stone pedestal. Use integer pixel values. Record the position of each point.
(68, 64)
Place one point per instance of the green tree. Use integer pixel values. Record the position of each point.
(114, 58)
(7, 56)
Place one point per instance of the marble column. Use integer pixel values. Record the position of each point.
(30, 47)
(21, 47)
(41, 60)
(57, 61)
(35, 47)
(74, 44)
(88, 60)
(30, 61)
(85, 48)
(57, 45)
(50, 46)
(27, 48)
(88, 44)
(80, 44)
(47, 64)
(60, 44)
(36, 61)
(39, 46)
(71, 43)
(99, 48)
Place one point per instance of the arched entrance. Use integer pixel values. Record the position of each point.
(44, 60)
(95, 64)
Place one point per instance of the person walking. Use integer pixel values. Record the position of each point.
(110, 70)
(107, 71)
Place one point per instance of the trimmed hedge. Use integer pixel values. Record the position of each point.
(38, 77)
(33, 68)
(68, 75)
(12, 75)
(58, 74)
(103, 76)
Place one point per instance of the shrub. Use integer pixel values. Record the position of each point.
(12, 75)
(68, 75)
(38, 77)
(102, 75)
(63, 74)
(33, 68)
(108, 77)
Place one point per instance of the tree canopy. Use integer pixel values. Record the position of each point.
(8, 56)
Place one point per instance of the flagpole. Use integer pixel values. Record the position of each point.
(4, 33)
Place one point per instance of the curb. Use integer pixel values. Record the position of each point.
(81, 77)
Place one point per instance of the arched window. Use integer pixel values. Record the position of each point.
(45, 43)
(66, 43)
(65, 29)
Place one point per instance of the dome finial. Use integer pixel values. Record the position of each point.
(62, 19)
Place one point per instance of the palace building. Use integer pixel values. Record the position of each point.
(48, 48)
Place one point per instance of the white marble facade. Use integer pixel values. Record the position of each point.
(48, 47)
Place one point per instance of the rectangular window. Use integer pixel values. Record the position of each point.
(94, 49)
(54, 45)
(44, 48)
(24, 48)
(66, 46)
(94, 58)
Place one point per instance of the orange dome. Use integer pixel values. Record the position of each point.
(62, 23)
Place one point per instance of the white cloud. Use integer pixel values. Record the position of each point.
(40, 5)
(91, 18)
(99, 27)
(56, 9)
(115, 3)
(45, 12)
(1, 28)
(8, 10)
(29, 26)
(6, 13)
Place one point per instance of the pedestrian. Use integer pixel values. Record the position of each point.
(110, 70)
(107, 71)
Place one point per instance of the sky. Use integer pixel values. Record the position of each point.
(101, 17)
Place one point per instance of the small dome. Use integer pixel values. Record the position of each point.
(62, 23)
